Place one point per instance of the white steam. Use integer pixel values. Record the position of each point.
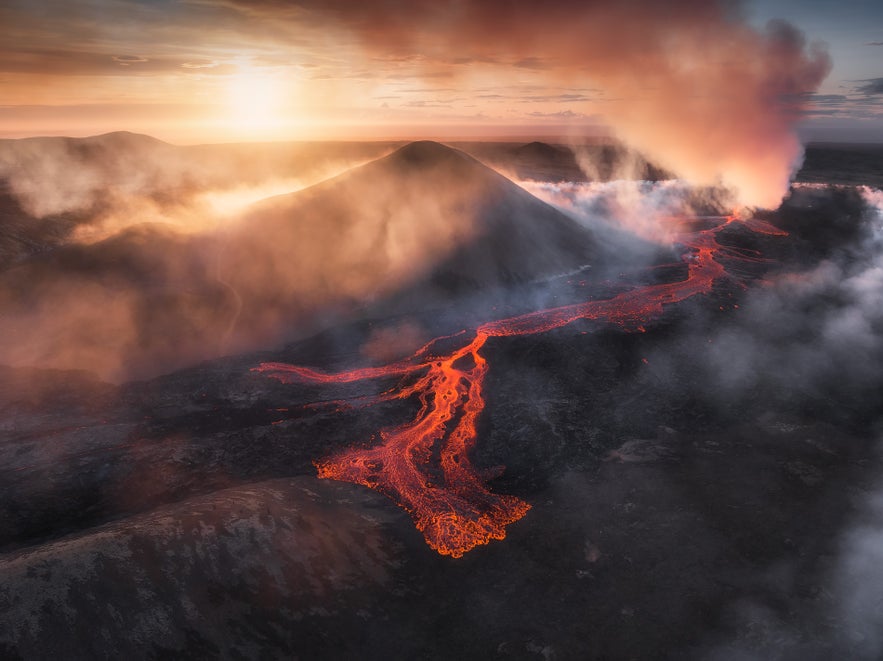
(641, 207)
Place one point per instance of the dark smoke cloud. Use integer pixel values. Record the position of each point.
(871, 87)
(689, 84)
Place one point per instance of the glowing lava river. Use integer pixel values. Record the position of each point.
(424, 465)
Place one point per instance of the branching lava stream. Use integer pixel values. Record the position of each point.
(447, 497)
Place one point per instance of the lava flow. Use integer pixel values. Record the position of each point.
(447, 497)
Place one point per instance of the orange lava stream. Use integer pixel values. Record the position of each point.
(446, 496)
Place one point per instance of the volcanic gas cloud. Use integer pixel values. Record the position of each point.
(447, 497)
(690, 84)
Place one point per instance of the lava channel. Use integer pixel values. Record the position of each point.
(447, 497)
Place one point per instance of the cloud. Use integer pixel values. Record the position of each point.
(619, 196)
(424, 103)
(688, 83)
(49, 62)
(474, 60)
(812, 336)
(200, 64)
(126, 60)
(872, 86)
(130, 228)
(534, 63)
(552, 98)
(561, 114)
(828, 99)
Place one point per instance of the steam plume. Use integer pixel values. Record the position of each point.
(690, 84)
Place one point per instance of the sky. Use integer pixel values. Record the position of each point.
(191, 71)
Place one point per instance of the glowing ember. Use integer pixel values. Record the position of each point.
(447, 498)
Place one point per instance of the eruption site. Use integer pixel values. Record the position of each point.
(424, 465)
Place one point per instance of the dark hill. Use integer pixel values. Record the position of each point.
(426, 216)
(115, 140)
(113, 154)
(539, 150)
(138, 303)
(541, 161)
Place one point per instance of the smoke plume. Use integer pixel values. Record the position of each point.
(691, 85)
(636, 206)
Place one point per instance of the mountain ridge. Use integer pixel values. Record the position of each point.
(424, 226)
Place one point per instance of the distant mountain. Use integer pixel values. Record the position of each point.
(540, 150)
(540, 161)
(52, 187)
(106, 142)
(849, 164)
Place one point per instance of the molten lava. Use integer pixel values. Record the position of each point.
(447, 497)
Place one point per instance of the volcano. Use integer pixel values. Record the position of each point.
(514, 477)
(426, 211)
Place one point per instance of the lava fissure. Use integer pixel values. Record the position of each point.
(445, 494)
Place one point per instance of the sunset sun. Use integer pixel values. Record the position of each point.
(254, 102)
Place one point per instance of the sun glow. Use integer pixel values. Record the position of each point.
(255, 102)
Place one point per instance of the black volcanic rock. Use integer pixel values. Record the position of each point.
(180, 517)
(697, 490)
